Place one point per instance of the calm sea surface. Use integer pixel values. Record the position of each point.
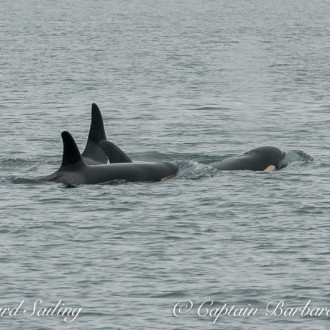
(189, 82)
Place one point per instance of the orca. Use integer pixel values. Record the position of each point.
(259, 159)
(98, 150)
(74, 169)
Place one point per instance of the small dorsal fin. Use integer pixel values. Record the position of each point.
(114, 153)
(96, 134)
(71, 153)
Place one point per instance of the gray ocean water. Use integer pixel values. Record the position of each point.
(188, 82)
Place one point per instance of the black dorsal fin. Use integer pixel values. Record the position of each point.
(96, 131)
(114, 153)
(96, 134)
(71, 153)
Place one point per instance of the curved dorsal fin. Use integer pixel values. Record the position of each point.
(114, 153)
(96, 134)
(71, 153)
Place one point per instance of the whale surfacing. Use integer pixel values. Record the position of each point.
(74, 169)
(259, 159)
(98, 149)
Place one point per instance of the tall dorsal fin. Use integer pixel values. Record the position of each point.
(96, 134)
(114, 153)
(71, 153)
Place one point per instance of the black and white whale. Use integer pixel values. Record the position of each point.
(74, 169)
(259, 159)
(98, 149)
